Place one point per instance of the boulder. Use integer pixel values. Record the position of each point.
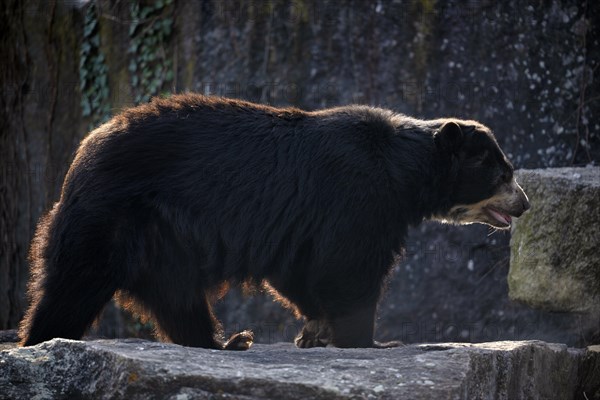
(555, 257)
(137, 369)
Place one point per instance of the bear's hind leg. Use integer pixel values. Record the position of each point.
(73, 274)
(191, 324)
(194, 325)
(64, 310)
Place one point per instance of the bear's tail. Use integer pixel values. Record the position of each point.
(69, 280)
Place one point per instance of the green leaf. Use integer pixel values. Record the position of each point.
(133, 47)
(133, 27)
(89, 26)
(85, 108)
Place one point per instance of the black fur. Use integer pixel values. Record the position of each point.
(169, 200)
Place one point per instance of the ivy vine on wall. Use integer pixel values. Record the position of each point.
(93, 72)
(150, 65)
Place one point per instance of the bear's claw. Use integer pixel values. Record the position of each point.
(387, 345)
(240, 341)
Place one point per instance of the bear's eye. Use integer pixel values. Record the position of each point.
(479, 157)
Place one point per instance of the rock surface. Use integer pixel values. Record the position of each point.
(555, 262)
(136, 369)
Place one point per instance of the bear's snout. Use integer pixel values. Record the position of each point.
(520, 202)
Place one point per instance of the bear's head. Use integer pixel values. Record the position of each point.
(483, 188)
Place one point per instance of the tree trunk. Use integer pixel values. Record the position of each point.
(13, 165)
(40, 125)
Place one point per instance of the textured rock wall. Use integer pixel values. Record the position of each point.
(555, 257)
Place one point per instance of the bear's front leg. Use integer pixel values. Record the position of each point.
(315, 333)
(356, 329)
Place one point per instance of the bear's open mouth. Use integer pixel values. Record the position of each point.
(501, 216)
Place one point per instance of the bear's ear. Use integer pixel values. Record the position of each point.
(449, 137)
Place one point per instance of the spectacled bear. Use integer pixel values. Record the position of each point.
(170, 201)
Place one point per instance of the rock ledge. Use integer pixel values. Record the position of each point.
(135, 369)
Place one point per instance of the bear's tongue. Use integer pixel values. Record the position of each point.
(501, 217)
